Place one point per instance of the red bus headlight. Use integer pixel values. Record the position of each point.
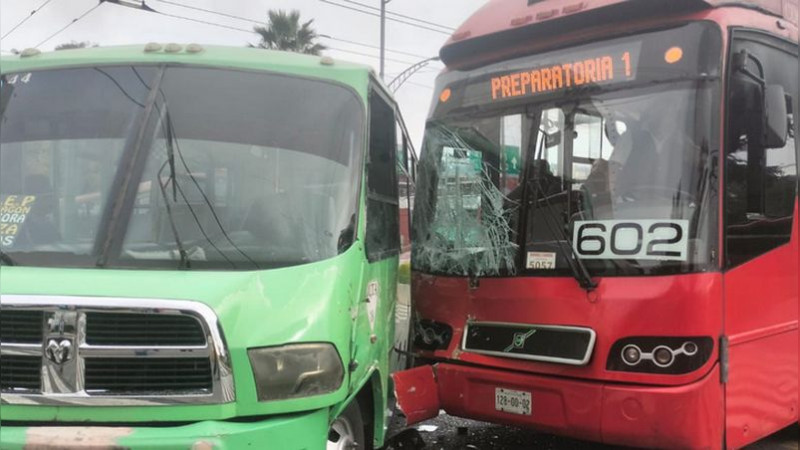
(660, 354)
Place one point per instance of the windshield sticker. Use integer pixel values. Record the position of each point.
(14, 210)
(373, 297)
(15, 78)
(541, 260)
(661, 240)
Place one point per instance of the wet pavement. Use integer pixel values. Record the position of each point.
(451, 433)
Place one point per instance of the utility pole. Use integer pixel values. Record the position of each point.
(383, 34)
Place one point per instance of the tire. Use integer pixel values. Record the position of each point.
(348, 432)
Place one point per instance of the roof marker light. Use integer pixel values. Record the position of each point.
(28, 52)
(519, 21)
(571, 9)
(153, 47)
(194, 48)
(673, 55)
(445, 95)
(172, 48)
(326, 61)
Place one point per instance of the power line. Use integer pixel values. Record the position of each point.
(196, 8)
(251, 32)
(363, 5)
(74, 21)
(26, 19)
(246, 19)
(368, 55)
(389, 18)
(375, 47)
(203, 22)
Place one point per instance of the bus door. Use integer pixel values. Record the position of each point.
(760, 342)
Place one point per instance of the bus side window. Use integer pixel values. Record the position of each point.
(405, 184)
(760, 185)
(383, 232)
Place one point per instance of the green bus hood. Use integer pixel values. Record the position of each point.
(307, 303)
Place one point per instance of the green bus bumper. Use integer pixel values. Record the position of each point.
(299, 431)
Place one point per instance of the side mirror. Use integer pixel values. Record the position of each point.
(776, 124)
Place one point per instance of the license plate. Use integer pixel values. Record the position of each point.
(514, 402)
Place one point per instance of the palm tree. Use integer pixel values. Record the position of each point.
(283, 31)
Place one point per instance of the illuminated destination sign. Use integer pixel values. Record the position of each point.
(604, 66)
(652, 57)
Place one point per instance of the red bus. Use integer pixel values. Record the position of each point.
(605, 237)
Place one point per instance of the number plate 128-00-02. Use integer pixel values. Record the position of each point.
(510, 401)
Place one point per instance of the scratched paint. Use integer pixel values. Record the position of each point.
(96, 438)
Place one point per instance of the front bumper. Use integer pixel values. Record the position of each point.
(298, 431)
(685, 417)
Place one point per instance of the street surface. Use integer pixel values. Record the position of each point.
(452, 433)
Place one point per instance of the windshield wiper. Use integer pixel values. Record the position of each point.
(579, 270)
(576, 265)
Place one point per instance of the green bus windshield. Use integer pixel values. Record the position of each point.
(176, 167)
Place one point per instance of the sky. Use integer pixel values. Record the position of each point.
(111, 24)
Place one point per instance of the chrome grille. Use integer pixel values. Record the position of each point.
(121, 376)
(21, 326)
(112, 351)
(20, 373)
(104, 328)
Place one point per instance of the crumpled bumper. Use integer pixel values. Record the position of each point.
(685, 417)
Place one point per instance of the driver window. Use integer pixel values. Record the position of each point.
(590, 143)
(760, 183)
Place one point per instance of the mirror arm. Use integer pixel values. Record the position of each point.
(740, 65)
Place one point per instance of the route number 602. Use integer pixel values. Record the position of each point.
(665, 240)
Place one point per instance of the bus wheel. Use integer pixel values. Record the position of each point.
(347, 430)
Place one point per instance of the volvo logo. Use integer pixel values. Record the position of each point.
(519, 340)
(58, 350)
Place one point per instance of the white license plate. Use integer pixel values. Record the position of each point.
(514, 402)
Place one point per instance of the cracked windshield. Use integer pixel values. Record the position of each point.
(152, 170)
(618, 176)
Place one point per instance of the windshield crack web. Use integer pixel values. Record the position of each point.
(468, 231)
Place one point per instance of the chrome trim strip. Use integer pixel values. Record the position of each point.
(549, 359)
(57, 392)
(113, 351)
(20, 349)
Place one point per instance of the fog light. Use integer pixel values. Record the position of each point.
(663, 356)
(689, 348)
(632, 355)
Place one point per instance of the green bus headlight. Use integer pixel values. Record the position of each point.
(297, 370)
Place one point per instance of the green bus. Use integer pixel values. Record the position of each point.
(199, 249)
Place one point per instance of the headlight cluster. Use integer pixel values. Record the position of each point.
(667, 355)
(296, 370)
